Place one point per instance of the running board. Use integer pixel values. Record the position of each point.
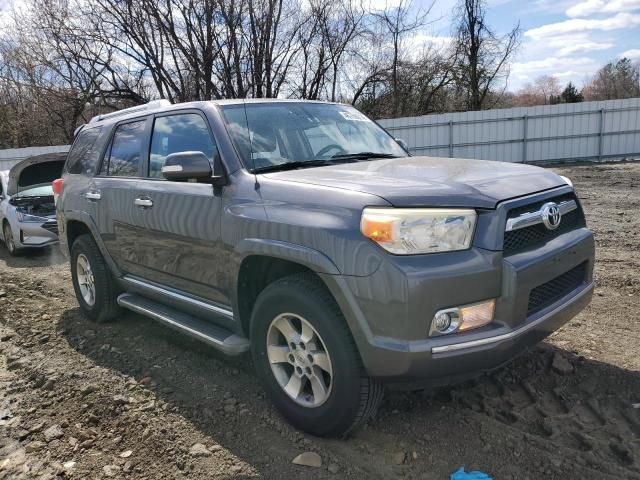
(218, 337)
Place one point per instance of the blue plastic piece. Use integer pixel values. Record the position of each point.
(460, 474)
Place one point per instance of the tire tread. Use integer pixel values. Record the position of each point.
(109, 308)
(371, 390)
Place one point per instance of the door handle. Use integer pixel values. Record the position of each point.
(143, 202)
(92, 195)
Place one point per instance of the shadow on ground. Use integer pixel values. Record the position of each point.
(33, 257)
(523, 421)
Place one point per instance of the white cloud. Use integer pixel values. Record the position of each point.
(621, 20)
(583, 47)
(547, 7)
(569, 74)
(550, 66)
(590, 7)
(633, 54)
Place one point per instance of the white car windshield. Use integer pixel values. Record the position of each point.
(40, 191)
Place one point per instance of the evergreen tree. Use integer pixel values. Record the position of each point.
(571, 94)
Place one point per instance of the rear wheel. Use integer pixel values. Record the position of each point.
(307, 360)
(93, 284)
(8, 239)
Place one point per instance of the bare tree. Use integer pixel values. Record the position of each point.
(327, 40)
(423, 86)
(483, 57)
(62, 69)
(615, 80)
(62, 61)
(399, 22)
(543, 91)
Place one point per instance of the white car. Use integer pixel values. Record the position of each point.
(27, 207)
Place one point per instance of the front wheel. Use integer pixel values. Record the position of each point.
(307, 360)
(8, 239)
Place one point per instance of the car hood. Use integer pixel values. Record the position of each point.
(422, 181)
(36, 170)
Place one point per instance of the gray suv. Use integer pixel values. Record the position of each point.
(304, 233)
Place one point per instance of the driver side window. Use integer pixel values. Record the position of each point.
(186, 132)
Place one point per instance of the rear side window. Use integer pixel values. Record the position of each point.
(85, 153)
(186, 132)
(123, 158)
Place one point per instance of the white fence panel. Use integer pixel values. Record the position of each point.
(9, 157)
(547, 133)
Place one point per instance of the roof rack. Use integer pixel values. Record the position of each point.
(78, 130)
(139, 108)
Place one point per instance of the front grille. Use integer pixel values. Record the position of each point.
(51, 225)
(537, 235)
(552, 291)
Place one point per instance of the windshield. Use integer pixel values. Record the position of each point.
(41, 191)
(269, 135)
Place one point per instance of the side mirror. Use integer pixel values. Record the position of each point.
(403, 144)
(181, 166)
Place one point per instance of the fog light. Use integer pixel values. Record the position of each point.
(446, 321)
(462, 318)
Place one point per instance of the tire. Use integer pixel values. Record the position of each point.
(8, 240)
(102, 306)
(352, 396)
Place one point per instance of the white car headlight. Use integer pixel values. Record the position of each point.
(25, 217)
(409, 231)
(566, 179)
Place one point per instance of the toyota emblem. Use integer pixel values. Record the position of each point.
(551, 216)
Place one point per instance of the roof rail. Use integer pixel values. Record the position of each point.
(78, 130)
(138, 108)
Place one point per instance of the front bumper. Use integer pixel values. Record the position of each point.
(395, 346)
(35, 234)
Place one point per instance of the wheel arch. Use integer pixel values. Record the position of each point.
(80, 223)
(74, 229)
(262, 262)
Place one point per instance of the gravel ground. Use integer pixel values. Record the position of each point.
(132, 399)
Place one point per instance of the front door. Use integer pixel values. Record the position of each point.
(182, 220)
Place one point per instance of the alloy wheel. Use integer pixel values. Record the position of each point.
(299, 360)
(86, 282)
(8, 238)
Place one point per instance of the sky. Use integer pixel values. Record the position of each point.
(568, 39)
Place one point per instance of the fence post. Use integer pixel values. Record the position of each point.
(600, 134)
(524, 138)
(450, 139)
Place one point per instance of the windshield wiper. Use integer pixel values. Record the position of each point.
(363, 155)
(308, 163)
(291, 165)
(340, 158)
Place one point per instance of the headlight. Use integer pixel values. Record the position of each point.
(569, 182)
(407, 231)
(25, 217)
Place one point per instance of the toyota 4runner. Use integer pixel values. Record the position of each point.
(304, 233)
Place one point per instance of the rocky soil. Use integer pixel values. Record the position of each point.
(132, 399)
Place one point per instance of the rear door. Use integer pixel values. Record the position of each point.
(114, 192)
(181, 244)
(80, 171)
